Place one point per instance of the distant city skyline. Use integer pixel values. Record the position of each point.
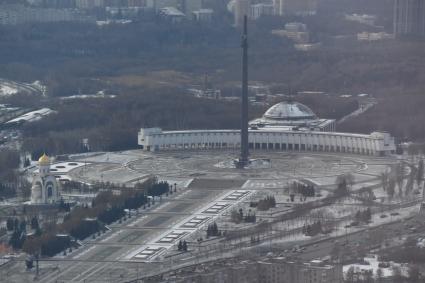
(409, 17)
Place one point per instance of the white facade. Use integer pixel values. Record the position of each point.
(45, 187)
(279, 138)
(287, 125)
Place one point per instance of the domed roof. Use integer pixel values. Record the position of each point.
(289, 111)
(44, 160)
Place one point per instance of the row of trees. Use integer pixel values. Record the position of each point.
(111, 124)
(364, 216)
(344, 183)
(393, 181)
(238, 216)
(82, 222)
(302, 189)
(159, 189)
(367, 193)
(182, 246)
(212, 230)
(10, 179)
(265, 204)
(404, 122)
(312, 229)
(12, 223)
(19, 229)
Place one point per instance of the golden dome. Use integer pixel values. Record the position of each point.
(44, 160)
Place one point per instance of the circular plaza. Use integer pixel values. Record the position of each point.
(132, 166)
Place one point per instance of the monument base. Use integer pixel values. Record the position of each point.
(249, 164)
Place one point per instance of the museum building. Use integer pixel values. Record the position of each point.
(286, 126)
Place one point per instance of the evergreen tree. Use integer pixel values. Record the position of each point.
(10, 224)
(384, 180)
(367, 215)
(38, 232)
(15, 224)
(391, 188)
(23, 226)
(17, 239)
(358, 216)
(342, 188)
(34, 223)
(27, 162)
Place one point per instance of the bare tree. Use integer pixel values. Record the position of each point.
(399, 176)
(384, 180)
(379, 275)
(420, 172)
(391, 188)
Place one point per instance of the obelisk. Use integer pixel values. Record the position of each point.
(244, 157)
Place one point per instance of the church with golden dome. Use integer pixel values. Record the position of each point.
(45, 187)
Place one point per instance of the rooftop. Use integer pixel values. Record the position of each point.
(289, 111)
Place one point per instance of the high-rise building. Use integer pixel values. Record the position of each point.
(242, 8)
(409, 17)
(297, 7)
(261, 9)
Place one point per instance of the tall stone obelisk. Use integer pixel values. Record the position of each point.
(244, 158)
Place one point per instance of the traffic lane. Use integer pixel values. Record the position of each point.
(365, 239)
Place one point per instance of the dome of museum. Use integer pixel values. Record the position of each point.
(289, 111)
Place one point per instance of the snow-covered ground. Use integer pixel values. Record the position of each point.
(371, 263)
(65, 167)
(100, 94)
(61, 169)
(110, 157)
(6, 90)
(203, 215)
(32, 116)
(344, 227)
(9, 88)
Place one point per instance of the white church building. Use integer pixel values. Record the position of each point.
(45, 187)
(286, 126)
